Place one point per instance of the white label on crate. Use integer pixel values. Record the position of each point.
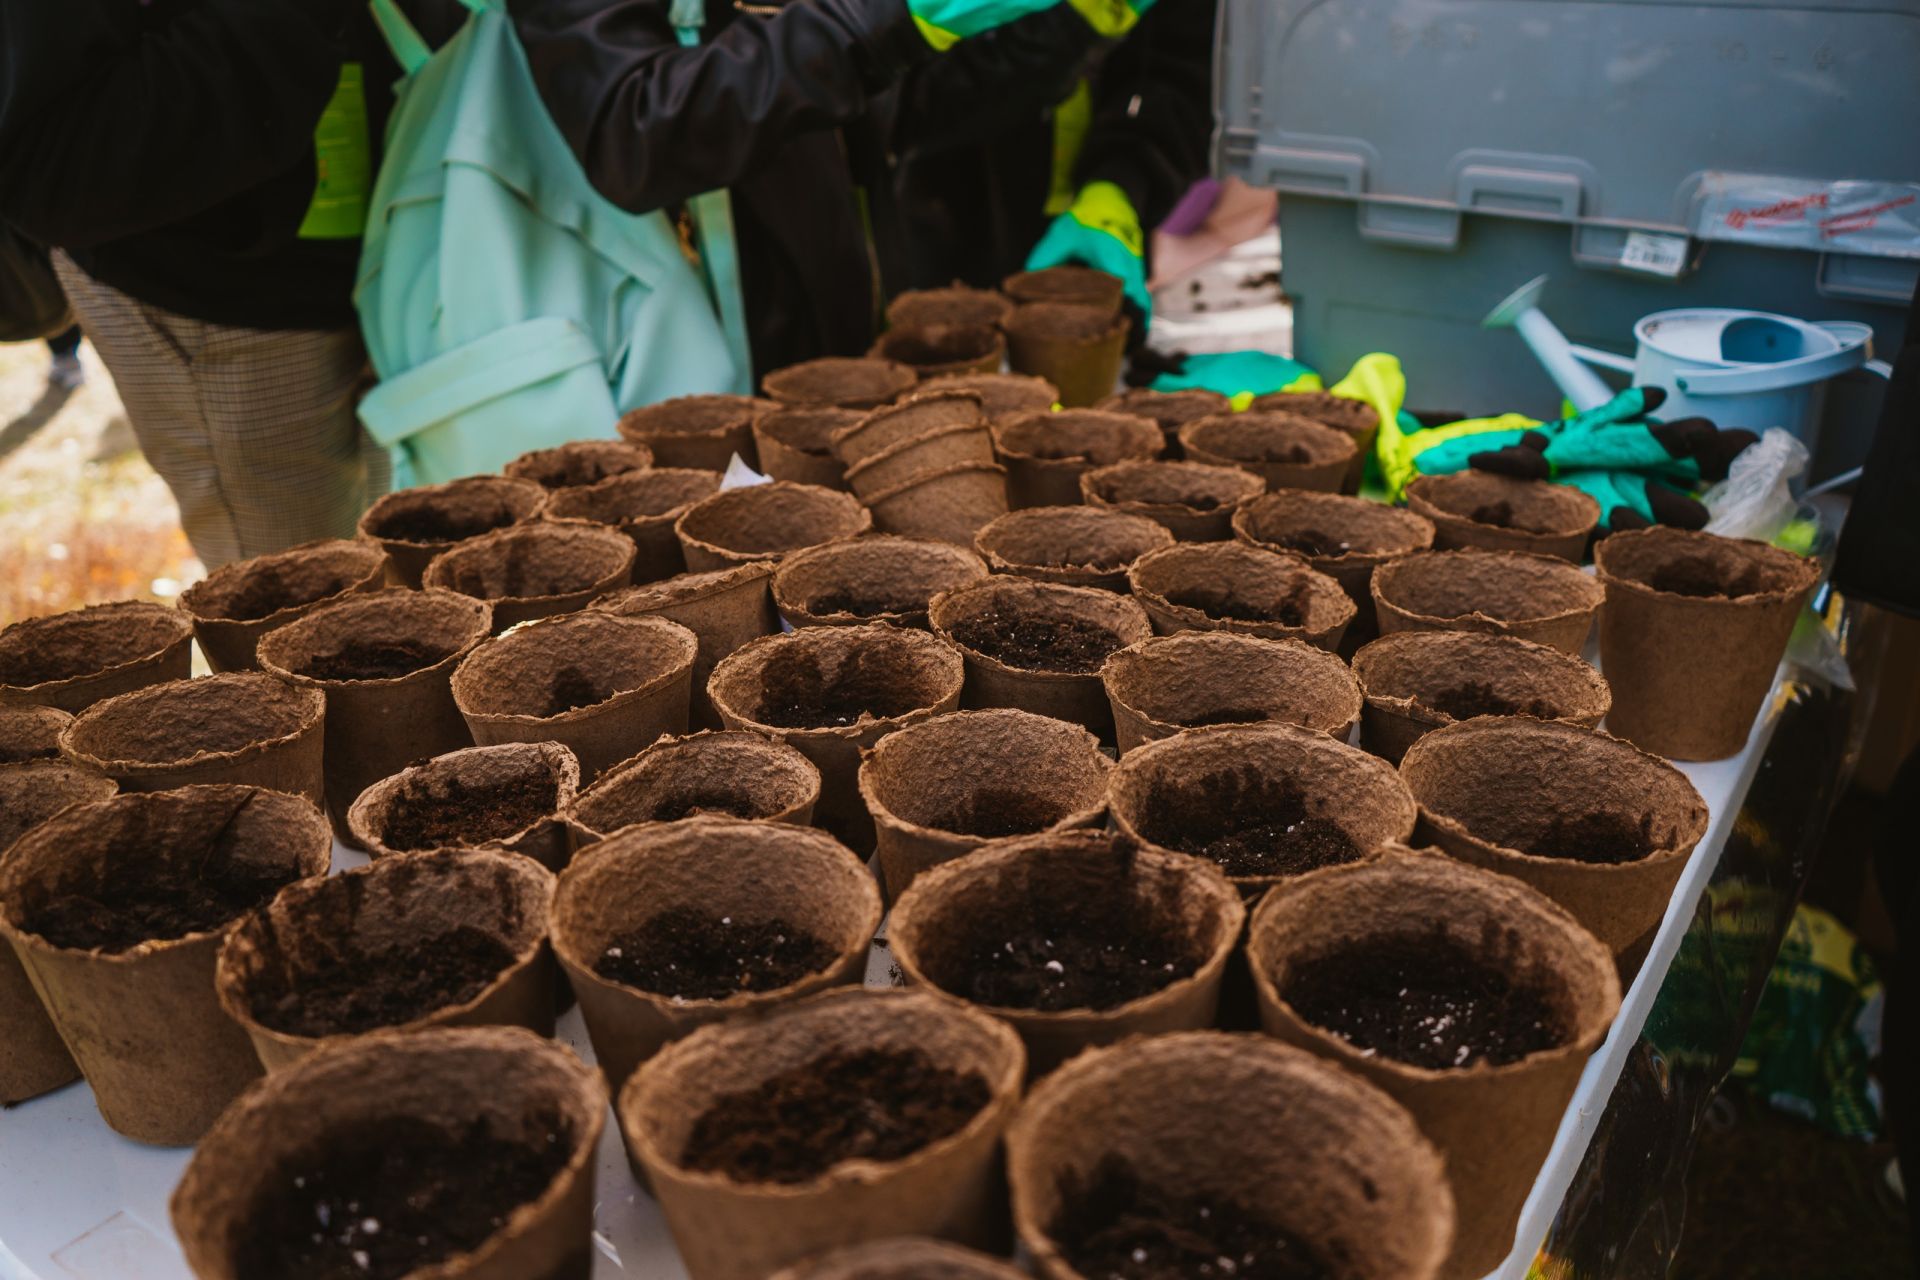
(1654, 253)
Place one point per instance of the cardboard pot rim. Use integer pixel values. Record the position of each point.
(933, 645)
(311, 709)
(527, 490)
(1252, 486)
(20, 721)
(531, 632)
(481, 615)
(1199, 557)
(1426, 494)
(1803, 571)
(1140, 447)
(900, 377)
(1583, 584)
(348, 548)
(975, 382)
(932, 548)
(1329, 444)
(790, 759)
(899, 447)
(922, 395)
(994, 349)
(1139, 401)
(1151, 531)
(635, 424)
(1291, 649)
(1123, 616)
(931, 477)
(577, 494)
(180, 622)
(901, 1257)
(1416, 526)
(530, 461)
(584, 532)
(560, 762)
(1090, 281)
(839, 504)
(1594, 686)
(696, 584)
(959, 291)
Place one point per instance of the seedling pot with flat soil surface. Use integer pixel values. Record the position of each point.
(949, 504)
(1074, 546)
(414, 525)
(907, 460)
(1170, 410)
(1078, 349)
(730, 773)
(1230, 586)
(934, 348)
(957, 304)
(238, 603)
(849, 382)
(1360, 420)
(902, 1258)
(883, 578)
(69, 661)
(702, 432)
(724, 608)
(1194, 501)
(1002, 395)
(30, 731)
(765, 522)
(643, 505)
(923, 414)
(579, 463)
(1070, 285)
(1047, 453)
(1501, 513)
(1168, 684)
(1286, 451)
(1345, 538)
(797, 444)
(536, 570)
(508, 797)
(1538, 598)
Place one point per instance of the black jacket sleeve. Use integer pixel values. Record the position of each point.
(1153, 109)
(1002, 79)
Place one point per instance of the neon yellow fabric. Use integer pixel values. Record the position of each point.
(939, 37)
(1071, 121)
(343, 162)
(1399, 449)
(1109, 17)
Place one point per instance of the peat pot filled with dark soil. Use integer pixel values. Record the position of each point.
(451, 937)
(507, 797)
(243, 727)
(923, 414)
(643, 505)
(601, 685)
(72, 660)
(414, 525)
(1047, 453)
(1264, 801)
(1693, 629)
(236, 604)
(579, 463)
(1538, 598)
(1500, 513)
(1164, 685)
(1230, 586)
(30, 732)
(1360, 421)
(1598, 825)
(939, 347)
(1203, 1154)
(956, 304)
(1193, 500)
(1074, 546)
(117, 909)
(797, 444)
(832, 691)
(1002, 395)
(723, 608)
(1070, 285)
(1076, 938)
(877, 579)
(902, 1258)
(1417, 681)
(848, 1116)
(765, 522)
(384, 662)
(1038, 646)
(460, 1153)
(1470, 998)
(1170, 410)
(944, 787)
(703, 432)
(1078, 349)
(849, 382)
(536, 570)
(732, 773)
(664, 928)
(1285, 451)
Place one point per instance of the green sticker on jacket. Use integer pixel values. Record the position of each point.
(343, 155)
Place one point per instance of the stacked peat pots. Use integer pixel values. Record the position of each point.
(926, 467)
(1046, 453)
(1068, 328)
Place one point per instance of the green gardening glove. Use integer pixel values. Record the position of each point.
(945, 23)
(1238, 375)
(1631, 500)
(1101, 230)
(1620, 435)
(1112, 18)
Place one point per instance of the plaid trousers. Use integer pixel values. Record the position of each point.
(254, 430)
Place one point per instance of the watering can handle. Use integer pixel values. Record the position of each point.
(1855, 348)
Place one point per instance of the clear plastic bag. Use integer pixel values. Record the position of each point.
(1756, 499)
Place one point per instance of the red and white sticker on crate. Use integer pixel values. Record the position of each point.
(1880, 219)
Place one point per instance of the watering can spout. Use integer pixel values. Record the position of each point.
(1562, 360)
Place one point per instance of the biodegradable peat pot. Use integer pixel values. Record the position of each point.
(957, 304)
(1074, 546)
(1172, 410)
(1265, 801)
(908, 460)
(729, 1228)
(937, 348)
(1047, 453)
(244, 727)
(1361, 936)
(1360, 420)
(1284, 450)
(1230, 586)
(236, 604)
(1501, 513)
(1417, 681)
(1167, 684)
(878, 579)
(1343, 537)
(601, 685)
(414, 525)
(117, 909)
(579, 463)
(1538, 598)
(643, 505)
(945, 787)
(724, 609)
(508, 797)
(1142, 1147)
(902, 1258)
(849, 382)
(1194, 501)
(384, 662)
(69, 661)
(1070, 285)
(765, 522)
(702, 432)
(1078, 349)
(1002, 395)
(949, 504)
(447, 938)
(1038, 646)
(925, 413)
(831, 691)
(499, 1129)
(724, 772)
(797, 444)
(536, 570)
(1595, 823)
(1074, 938)
(705, 902)
(1693, 629)
(30, 731)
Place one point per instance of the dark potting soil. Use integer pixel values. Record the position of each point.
(521, 574)
(692, 954)
(1498, 514)
(267, 591)
(392, 1197)
(457, 815)
(867, 604)
(1034, 642)
(155, 902)
(1428, 1000)
(798, 693)
(40, 665)
(374, 660)
(1227, 715)
(362, 991)
(576, 470)
(876, 1104)
(1699, 576)
(570, 689)
(16, 753)
(1478, 698)
(1113, 1226)
(1289, 609)
(1251, 823)
(692, 801)
(1312, 542)
(437, 524)
(1600, 837)
(1293, 454)
(993, 812)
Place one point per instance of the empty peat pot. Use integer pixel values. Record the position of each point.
(937, 347)
(946, 786)
(461, 1153)
(1501, 513)
(1177, 1152)
(446, 938)
(579, 462)
(797, 444)
(384, 662)
(702, 432)
(236, 604)
(724, 608)
(1595, 823)
(902, 1258)
(1193, 500)
(243, 727)
(921, 455)
(847, 1116)
(1002, 395)
(1416, 681)
(665, 928)
(29, 731)
(922, 414)
(878, 579)
(1047, 453)
(1284, 450)
(1230, 586)
(601, 685)
(643, 505)
(72, 660)
(1360, 420)
(831, 691)
(1470, 998)
(731, 773)
(414, 525)
(1074, 938)
(1038, 646)
(1078, 349)
(1343, 537)
(956, 304)
(1538, 598)
(536, 570)
(1070, 285)
(1074, 546)
(1693, 629)
(950, 504)
(506, 797)
(765, 522)
(1171, 410)
(1264, 801)
(117, 909)
(1167, 684)
(850, 382)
